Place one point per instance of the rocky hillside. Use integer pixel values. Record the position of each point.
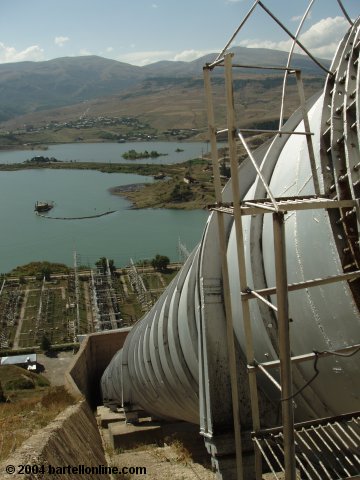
(30, 87)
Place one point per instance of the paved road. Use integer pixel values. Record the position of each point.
(56, 366)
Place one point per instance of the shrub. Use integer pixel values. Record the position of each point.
(2, 396)
(22, 383)
(160, 262)
(45, 344)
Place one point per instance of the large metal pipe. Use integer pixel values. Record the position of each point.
(163, 367)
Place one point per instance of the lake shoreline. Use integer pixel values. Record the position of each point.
(173, 192)
(45, 146)
(127, 233)
(123, 189)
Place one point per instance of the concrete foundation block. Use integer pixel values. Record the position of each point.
(126, 435)
(104, 417)
(225, 467)
(132, 417)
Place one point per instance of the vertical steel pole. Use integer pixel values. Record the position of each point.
(284, 345)
(310, 146)
(226, 282)
(236, 194)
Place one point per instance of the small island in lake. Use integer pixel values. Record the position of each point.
(41, 159)
(134, 155)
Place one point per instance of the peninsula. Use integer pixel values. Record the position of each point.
(186, 185)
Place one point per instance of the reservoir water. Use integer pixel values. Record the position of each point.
(125, 234)
(172, 152)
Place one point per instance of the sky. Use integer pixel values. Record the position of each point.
(140, 32)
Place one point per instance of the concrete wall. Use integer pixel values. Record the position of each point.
(96, 351)
(72, 439)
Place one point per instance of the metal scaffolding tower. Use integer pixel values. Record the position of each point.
(105, 303)
(288, 447)
(140, 289)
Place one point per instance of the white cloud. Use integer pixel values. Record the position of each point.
(189, 55)
(10, 54)
(147, 57)
(144, 58)
(321, 39)
(154, 5)
(60, 41)
(297, 18)
(283, 45)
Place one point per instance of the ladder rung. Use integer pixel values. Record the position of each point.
(353, 280)
(339, 109)
(342, 178)
(350, 212)
(345, 218)
(351, 105)
(349, 265)
(327, 131)
(342, 79)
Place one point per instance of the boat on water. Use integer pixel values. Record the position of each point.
(43, 206)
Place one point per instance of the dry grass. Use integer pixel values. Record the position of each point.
(178, 453)
(28, 410)
(161, 194)
(169, 461)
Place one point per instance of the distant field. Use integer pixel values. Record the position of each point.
(61, 306)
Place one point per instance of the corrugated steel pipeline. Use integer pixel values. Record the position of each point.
(161, 366)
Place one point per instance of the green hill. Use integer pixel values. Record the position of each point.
(31, 87)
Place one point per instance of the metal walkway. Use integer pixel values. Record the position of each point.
(324, 449)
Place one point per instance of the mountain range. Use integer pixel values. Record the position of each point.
(40, 87)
